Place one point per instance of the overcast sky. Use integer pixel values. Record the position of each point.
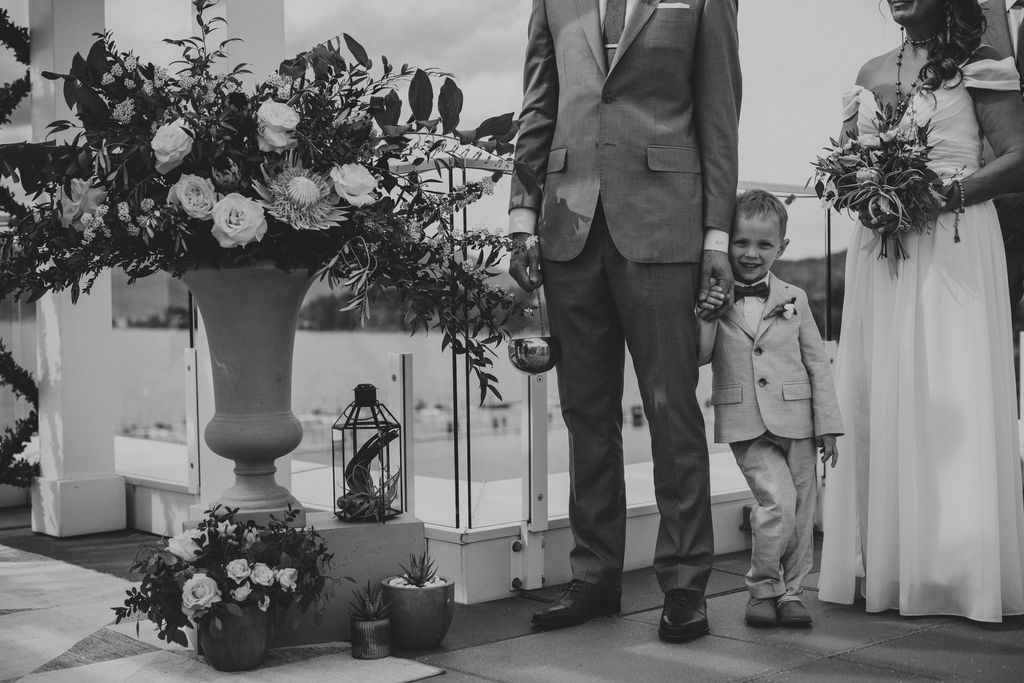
(798, 57)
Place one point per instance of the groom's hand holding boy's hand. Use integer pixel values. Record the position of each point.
(829, 450)
(710, 308)
(715, 270)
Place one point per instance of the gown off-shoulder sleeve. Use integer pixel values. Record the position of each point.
(992, 74)
(851, 102)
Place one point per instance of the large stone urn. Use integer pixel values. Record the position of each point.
(250, 314)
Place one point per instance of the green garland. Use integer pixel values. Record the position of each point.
(14, 470)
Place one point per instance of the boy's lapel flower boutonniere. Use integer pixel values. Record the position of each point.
(787, 309)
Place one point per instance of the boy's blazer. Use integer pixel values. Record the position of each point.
(776, 378)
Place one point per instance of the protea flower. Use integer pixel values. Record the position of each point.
(301, 198)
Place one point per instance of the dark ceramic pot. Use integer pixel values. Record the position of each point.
(420, 617)
(241, 643)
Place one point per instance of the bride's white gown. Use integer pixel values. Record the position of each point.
(924, 511)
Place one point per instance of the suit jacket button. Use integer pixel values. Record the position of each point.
(762, 382)
(758, 351)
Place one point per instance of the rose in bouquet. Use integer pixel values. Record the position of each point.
(220, 565)
(312, 170)
(883, 178)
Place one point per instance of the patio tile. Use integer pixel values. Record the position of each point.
(616, 649)
(836, 670)
(955, 649)
(836, 629)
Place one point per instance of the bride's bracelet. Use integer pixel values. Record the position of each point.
(963, 195)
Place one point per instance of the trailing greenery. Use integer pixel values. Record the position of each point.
(15, 470)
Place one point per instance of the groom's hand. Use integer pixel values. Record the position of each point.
(524, 264)
(715, 270)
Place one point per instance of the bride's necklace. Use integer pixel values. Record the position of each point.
(902, 101)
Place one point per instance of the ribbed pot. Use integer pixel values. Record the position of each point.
(241, 643)
(371, 638)
(420, 617)
(250, 314)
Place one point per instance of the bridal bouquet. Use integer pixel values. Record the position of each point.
(222, 564)
(314, 169)
(883, 178)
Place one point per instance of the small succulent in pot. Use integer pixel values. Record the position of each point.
(370, 623)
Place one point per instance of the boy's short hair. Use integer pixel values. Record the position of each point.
(763, 203)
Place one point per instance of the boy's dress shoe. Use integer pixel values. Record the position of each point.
(794, 613)
(762, 612)
(684, 616)
(580, 602)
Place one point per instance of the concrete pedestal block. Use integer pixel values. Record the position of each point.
(364, 551)
(73, 507)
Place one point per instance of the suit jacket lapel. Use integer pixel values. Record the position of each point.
(590, 19)
(776, 295)
(642, 11)
(736, 317)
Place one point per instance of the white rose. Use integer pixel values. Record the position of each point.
(238, 220)
(262, 574)
(171, 144)
(242, 592)
(199, 594)
(288, 578)
(275, 122)
(187, 545)
(194, 195)
(237, 570)
(84, 198)
(354, 183)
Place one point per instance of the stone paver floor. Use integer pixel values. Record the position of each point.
(55, 626)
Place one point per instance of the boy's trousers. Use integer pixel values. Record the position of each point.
(781, 474)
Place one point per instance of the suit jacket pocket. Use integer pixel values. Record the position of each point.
(556, 159)
(673, 159)
(796, 391)
(729, 394)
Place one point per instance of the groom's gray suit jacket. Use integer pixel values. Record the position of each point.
(665, 171)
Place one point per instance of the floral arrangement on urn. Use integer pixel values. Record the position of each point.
(227, 578)
(313, 171)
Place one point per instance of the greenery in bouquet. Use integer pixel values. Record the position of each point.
(222, 564)
(883, 178)
(313, 170)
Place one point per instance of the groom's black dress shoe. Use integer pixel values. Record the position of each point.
(580, 602)
(684, 617)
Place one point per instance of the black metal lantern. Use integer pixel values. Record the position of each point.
(370, 484)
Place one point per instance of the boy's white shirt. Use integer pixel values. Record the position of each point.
(752, 307)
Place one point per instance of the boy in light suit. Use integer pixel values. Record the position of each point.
(774, 402)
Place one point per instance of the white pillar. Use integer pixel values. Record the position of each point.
(78, 491)
(260, 25)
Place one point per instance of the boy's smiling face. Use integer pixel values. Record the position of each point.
(755, 244)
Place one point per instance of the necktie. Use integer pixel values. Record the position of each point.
(757, 290)
(614, 22)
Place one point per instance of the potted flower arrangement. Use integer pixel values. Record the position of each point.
(370, 623)
(422, 604)
(228, 579)
(249, 196)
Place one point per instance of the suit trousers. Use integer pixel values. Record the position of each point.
(598, 303)
(781, 474)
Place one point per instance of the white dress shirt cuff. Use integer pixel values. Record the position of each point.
(522, 219)
(716, 240)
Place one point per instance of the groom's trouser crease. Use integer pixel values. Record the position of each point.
(599, 302)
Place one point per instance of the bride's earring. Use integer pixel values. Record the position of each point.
(949, 21)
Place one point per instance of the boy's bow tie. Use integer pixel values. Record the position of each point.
(759, 290)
